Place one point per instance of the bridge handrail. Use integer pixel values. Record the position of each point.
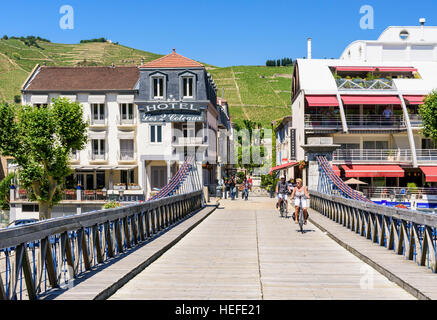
(407, 232)
(337, 181)
(82, 241)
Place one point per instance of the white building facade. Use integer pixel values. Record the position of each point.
(368, 101)
(143, 122)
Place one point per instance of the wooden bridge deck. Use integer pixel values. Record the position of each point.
(246, 251)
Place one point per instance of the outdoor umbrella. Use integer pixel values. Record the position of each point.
(354, 181)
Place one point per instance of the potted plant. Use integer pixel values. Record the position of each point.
(390, 155)
(134, 186)
(111, 205)
(302, 165)
(119, 186)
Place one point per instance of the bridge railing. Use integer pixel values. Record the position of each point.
(409, 233)
(50, 254)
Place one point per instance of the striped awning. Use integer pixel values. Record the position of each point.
(372, 170)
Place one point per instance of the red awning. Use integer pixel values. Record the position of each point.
(397, 69)
(370, 99)
(322, 101)
(357, 171)
(430, 173)
(355, 68)
(283, 166)
(414, 99)
(336, 169)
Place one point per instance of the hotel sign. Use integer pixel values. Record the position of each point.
(171, 117)
(171, 111)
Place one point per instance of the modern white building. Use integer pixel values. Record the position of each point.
(143, 122)
(367, 101)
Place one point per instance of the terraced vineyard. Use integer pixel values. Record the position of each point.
(17, 59)
(258, 93)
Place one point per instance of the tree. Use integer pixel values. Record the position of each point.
(5, 186)
(41, 141)
(5, 37)
(249, 145)
(428, 112)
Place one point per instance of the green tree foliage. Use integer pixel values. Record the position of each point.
(5, 186)
(268, 181)
(249, 144)
(5, 37)
(41, 141)
(284, 62)
(428, 112)
(31, 41)
(93, 40)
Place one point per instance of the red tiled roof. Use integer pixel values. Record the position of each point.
(172, 60)
(84, 78)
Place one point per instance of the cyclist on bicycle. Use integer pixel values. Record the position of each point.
(299, 194)
(282, 190)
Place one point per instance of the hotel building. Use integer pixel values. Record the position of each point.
(143, 121)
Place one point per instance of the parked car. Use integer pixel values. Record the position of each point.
(21, 222)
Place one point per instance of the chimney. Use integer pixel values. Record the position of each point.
(422, 28)
(309, 48)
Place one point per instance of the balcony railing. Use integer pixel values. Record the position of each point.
(322, 121)
(130, 120)
(95, 156)
(358, 84)
(402, 193)
(424, 155)
(379, 155)
(374, 121)
(126, 155)
(97, 122)
(75, 156)
(188, 141)
(415, 120)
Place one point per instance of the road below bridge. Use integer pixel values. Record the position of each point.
(245, 250)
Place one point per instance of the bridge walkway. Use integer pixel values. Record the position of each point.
(244, 250)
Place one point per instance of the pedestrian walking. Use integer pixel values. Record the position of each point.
(246, 186)
(226, 187)
(232, 184)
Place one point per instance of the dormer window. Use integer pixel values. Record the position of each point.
(158, 87)
(187, 85)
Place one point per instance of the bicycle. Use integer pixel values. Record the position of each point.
(301, 219)
(283, 207)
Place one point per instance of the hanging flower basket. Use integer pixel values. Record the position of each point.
(302, 165)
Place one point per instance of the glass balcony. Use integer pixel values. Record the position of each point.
(360, 84)
(375, 121)
(317, 121)
(399, 193)
(415, 120)
(372, 155)
(426, 155)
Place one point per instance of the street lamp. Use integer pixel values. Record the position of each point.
(120, 193)
(104, 192)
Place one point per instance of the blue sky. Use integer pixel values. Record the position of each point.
(222, 33)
